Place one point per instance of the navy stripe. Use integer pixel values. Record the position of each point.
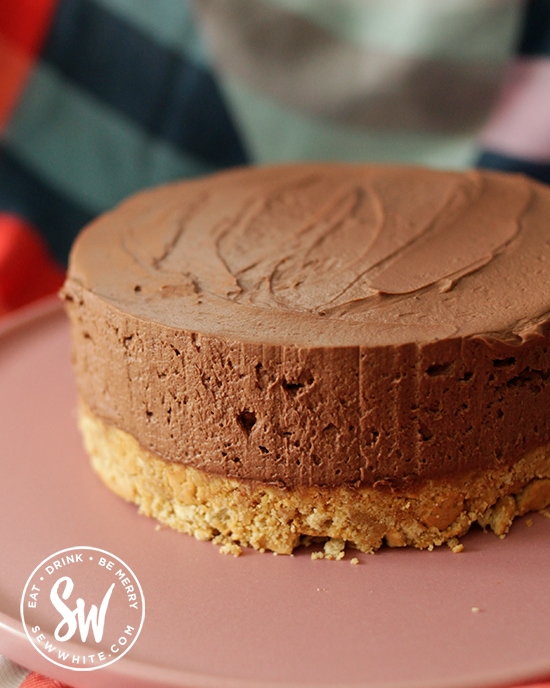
(158, 88)
(535, 37)
(57, 217)
(495, 161)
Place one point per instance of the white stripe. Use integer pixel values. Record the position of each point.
(468, 30)
(11, 675)
(294, 62)
(276, 134)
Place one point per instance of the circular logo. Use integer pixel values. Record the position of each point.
(82, 608)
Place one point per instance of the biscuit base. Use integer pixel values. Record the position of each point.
(266, 517)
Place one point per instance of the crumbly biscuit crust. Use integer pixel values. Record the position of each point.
(233, 512)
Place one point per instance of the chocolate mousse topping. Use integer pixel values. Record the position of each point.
(321, 324)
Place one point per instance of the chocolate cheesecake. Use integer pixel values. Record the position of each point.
(356, 353)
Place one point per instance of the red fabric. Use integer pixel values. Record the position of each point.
(34, 680)
(23, 29)
(24, 23)
(27, 271)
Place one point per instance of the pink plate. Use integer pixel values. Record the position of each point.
(401, 618)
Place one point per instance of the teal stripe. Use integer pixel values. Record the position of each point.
(461, 30)
(86, 150)
(168, 22)
(276, 134)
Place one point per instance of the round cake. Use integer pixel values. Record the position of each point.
(347, 352)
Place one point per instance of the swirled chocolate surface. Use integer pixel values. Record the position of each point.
(321, 324)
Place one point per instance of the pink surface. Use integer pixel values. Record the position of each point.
(400, 618)
(519, 125)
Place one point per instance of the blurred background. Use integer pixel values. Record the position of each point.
(100, 98)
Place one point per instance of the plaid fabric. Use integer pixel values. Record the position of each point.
(100, 98)
(26, 269)
(14, 676)
(110, 105)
